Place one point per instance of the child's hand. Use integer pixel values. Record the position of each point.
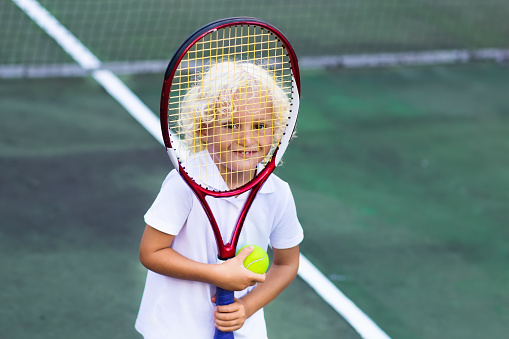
(234, 276)
(231, 317)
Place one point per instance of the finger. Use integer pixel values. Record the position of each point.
(227, 328)
(228, 325)
(258, 278)
(214, 298)
(245, 252)
(227, 309)
(225, 318)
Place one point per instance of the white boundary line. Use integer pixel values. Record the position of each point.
(88, 61)
(339, 302)
(118, 90)
(404, 58)
(423, 58)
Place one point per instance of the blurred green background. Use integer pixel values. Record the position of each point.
(400, 175)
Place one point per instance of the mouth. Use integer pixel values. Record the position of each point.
(245, 153)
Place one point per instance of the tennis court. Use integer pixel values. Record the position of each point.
(407, 216)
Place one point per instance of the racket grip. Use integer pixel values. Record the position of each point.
(224, 297)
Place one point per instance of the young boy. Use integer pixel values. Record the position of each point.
(233, 134)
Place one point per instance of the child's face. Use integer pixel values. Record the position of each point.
(238, 144)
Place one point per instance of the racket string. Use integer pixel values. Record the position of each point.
(239, 48)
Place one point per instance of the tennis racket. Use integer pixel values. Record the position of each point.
(229, 105)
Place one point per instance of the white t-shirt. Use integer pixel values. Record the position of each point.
(173, 308)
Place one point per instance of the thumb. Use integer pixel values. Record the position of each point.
(245, 252)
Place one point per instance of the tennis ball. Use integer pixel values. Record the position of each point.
(257, 261)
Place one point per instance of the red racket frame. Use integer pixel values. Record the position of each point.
(225, 250)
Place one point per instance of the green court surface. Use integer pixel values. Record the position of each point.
(401, 179)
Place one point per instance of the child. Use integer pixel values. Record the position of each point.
(234, 133)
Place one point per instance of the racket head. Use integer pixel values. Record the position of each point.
(229, 105)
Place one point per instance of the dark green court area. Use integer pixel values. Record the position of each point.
(401, 179)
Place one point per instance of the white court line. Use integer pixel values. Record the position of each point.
(118, 90)
(437, 57)
(87, 60)
(339, 302)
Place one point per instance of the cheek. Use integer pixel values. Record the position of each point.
(222, 144)
(266, 143)
(268, 137)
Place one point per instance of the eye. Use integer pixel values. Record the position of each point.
(260, 126)
(230, 125)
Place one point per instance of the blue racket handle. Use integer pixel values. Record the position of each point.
(224, 297)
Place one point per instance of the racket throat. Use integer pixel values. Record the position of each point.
(226, 252)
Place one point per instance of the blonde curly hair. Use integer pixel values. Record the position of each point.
(212, 99)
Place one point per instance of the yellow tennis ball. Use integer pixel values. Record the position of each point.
(257, 261)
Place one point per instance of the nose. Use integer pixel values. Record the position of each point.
(245, 137)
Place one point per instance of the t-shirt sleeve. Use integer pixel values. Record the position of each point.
(171, 207)
(287, 231)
